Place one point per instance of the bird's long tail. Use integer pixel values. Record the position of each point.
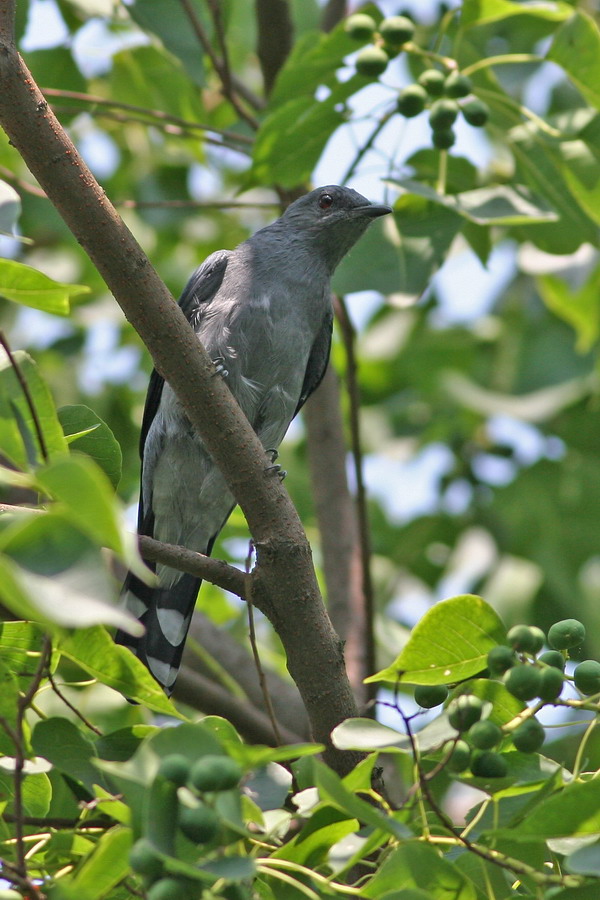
(165, 613)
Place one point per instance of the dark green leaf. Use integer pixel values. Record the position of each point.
(99, 443)
(170, 23)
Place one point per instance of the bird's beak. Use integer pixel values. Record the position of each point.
(373, 211)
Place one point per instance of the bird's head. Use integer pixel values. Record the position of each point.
(332, 219)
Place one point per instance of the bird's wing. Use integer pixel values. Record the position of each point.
(197, 294)
(317, 361)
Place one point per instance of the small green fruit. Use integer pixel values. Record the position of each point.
(167, 889)
(553, 658)
(397, 30)
(215, 773)
(360, 27)
(433, 82)
(487, 764)
(457, 85)
(175, 768)
(484, 735)
(523, 682)
(371, 62)
(500, 659)
(443, 114)
(200, 824)
(566, 634)
(412, 100)
(529, 737)
(430, 695)
(551, 684)
(460, 759)
(476, 112)
(464, 711)
(144, 860)
(443, 139)
(521, 638)
(587, 677)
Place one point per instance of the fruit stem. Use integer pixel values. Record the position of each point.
(495, 97)
(442, 172)
(579, 757)
(502, 60)
(445, 61)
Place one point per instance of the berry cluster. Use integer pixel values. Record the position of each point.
(199, 823)
(527, 674)
(445, 93)
(387, 41)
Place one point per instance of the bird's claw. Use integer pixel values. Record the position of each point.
(273, 454)
(277, 470)
(218, 363)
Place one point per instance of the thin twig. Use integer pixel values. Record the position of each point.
(144, 111)
(59, 823)
(26, 186)
(228, 92)
(367, 145)
(28, 398)
(73, 709)
(217, 17)
(348, 338)
(252, 633)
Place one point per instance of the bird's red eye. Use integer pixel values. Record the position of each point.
(325, 201)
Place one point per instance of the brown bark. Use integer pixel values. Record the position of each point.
(284, 583)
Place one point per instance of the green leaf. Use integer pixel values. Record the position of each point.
(419, 865)
(366, 734)
(233, 868)
(27, 286)
(84, 494)
(580, 308)
(97, 440)
(57, 575)
(10, 208)
(18, 434)
(498, 204)
(105, 868)
(94, 650)
(169, 89)
(170, 23)
(37, 794)
(505, 707)
(482, 12)
(373, 265)
(55, 67)
(426, 231)
(450, 643)
(332, 790)
(571, 812)
(60, 742)
(576, 47)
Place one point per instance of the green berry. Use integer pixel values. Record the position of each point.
(487, 764)
(443, 114)
(464, 711)
(553, 658)
(430, 695)
(484, 735)
(460, 759)
(433, 82)
(412, 100)
(521, 638)
(144, 860)
(587, 677)
(457, 85)
(566, 634)
(215, 773)
(476, 112)
(200, 825)
(500, 659)
(551, 684)
(529, 737)
(371, 62)
(167, 889)
(175, 768)
(360, 27)
(396, 30)
(443, 139)
(523, 682)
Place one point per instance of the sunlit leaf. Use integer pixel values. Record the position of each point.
(29, 287)
(579, 307)
(576, 47)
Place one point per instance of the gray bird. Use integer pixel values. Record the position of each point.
(263, 314)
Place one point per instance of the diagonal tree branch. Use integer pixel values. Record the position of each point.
(284, 582)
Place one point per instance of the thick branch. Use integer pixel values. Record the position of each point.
(216, 571)
(338, 526)
(288, 585)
